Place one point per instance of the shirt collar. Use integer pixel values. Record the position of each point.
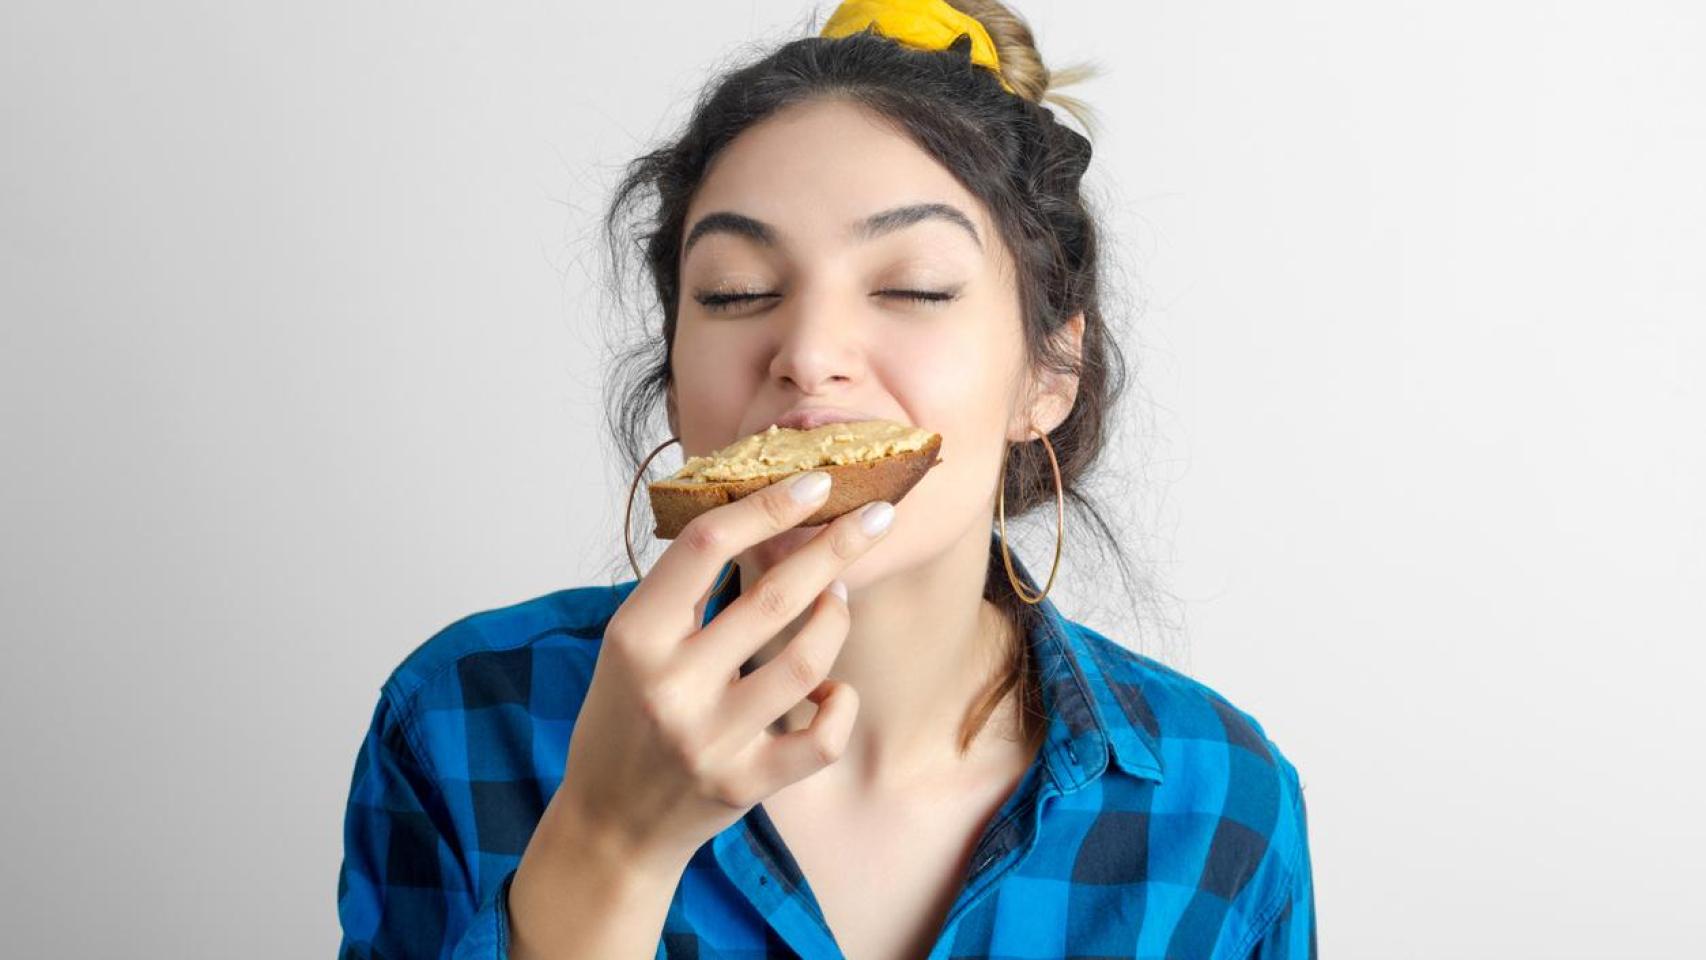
(1094, 718)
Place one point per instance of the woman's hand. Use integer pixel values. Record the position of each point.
(671, 744)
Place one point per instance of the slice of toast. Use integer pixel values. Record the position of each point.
(866, 460)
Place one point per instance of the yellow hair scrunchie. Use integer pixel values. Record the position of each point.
(925, 24)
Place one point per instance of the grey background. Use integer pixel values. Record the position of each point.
(300, 362)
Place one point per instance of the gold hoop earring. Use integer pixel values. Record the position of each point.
(628, 515)
(1060, 521)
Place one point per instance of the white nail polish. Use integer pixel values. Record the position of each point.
(809, 487)
(876, 517)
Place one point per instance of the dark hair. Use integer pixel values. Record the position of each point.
(1009, 152)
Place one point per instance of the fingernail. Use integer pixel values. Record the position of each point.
(838, 588)
(809, 487)
(876, 517)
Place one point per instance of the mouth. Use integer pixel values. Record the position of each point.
(809, 418)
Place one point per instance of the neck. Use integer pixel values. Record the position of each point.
(922, 647)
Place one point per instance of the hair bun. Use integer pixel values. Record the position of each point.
(1022, 65)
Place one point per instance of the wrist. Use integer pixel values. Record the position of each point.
(568, 840)
(582, 893)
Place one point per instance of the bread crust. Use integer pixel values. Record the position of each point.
(852, 485)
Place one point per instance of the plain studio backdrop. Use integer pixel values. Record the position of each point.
(302, 360)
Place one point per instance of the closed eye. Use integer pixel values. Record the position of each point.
(932, 296)
(721, 301)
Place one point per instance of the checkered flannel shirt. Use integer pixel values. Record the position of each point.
(1157, 821)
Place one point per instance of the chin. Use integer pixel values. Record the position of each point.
(781, 545)
(773, 551)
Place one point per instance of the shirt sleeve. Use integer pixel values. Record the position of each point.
(1291, 934)
(404, 891)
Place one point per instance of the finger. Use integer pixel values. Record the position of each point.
(800, 753)
(800, 671)
(689, 566)
(783, 592)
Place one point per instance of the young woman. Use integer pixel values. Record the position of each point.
(878, 739)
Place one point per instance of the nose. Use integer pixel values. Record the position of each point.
(817, 343)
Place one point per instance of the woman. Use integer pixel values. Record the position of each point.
(881, 221)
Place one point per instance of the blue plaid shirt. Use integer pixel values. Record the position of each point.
(1158, 820)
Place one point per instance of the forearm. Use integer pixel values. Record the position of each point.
(577, 896)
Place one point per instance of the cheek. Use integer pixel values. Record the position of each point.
(960, 389)
(957, 384)
(712, 387)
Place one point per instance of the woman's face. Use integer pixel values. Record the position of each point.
(822, 308)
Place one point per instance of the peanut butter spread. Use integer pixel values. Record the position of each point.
(781, 450)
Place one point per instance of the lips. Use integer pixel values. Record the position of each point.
(807, 418)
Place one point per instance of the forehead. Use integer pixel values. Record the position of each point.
(812, 168)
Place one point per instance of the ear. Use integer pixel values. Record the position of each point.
(670, 410)
(1054, 393)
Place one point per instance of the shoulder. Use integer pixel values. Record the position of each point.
(1179, 713)
(1224, 782)
(491, 656)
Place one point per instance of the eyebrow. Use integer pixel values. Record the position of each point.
(873, 226)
